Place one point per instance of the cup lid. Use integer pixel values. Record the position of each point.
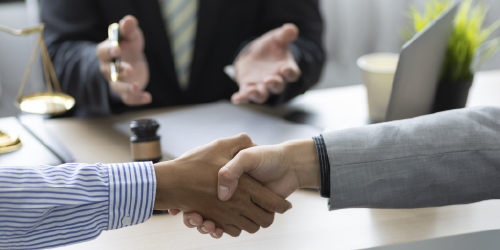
(382, 63)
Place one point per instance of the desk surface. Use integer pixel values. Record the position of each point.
(309, 225)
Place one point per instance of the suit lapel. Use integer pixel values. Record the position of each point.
(207, 21)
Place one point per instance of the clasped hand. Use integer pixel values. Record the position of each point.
(189, 184)
(281, 168)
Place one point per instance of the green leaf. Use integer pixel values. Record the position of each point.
(467, 38)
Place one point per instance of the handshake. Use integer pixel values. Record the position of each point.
(231, 184)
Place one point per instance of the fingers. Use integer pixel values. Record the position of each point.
(192, 219)
(130, 93)
(246, 224)
(270, 201)
(123, 88)
(231, 172)
(106, 52)
(290, 71)
(207, 227)
(137, 98)
(217, 234)
(260, 94)
(130, 52)
(125, 71)
(129, 30)
(239, 98)
(258, 215)
(257, 93)
(275, 84)
(232, 230)
(241, 223)
(174, 212)
(235, 144)
(287, 33)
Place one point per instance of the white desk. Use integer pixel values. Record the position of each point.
(309, 225)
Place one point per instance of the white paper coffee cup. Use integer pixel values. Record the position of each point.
(378, 74)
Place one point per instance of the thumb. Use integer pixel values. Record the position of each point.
(128, 27)
(243, 162)
(287, 33)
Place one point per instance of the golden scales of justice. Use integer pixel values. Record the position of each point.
(50, 102)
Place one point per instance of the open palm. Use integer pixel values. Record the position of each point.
(266, 65)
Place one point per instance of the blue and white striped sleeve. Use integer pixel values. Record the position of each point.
(51, 206)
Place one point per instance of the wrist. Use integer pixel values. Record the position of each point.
(304, 162)
(165, 185)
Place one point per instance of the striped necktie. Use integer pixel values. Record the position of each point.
(181, 16)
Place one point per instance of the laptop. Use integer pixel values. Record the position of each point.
(419, 69)
(414, 86)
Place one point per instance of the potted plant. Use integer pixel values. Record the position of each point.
(468, 48)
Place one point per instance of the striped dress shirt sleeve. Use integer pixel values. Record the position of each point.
(51, 206)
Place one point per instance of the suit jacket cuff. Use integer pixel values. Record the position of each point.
(324, 166)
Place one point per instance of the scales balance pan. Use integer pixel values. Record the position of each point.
(46, 103)
(49, 102)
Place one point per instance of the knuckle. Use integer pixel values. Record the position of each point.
(245, 155)
(225, 174)
(238, 204)
(218, 142)
(245, 138)
(273, 204)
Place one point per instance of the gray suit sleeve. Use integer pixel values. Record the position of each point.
(446, 158)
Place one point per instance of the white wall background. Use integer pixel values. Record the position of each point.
(358, 27)
(15, 52)
(353, 28)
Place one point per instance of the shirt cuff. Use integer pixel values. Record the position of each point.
(324, 166)
(132, 190)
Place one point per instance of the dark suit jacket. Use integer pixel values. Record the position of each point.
(74, 28)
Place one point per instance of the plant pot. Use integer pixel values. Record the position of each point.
(451, 95)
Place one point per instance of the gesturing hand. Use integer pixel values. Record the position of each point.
(282, 168)
(189, 184)
(134, 70)
(266, 65)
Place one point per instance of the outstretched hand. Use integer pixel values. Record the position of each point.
(266, 65)
(282, 168)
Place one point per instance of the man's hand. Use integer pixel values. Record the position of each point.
(266, 65)
(189, 184)
(282, 168)
(134, 70)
